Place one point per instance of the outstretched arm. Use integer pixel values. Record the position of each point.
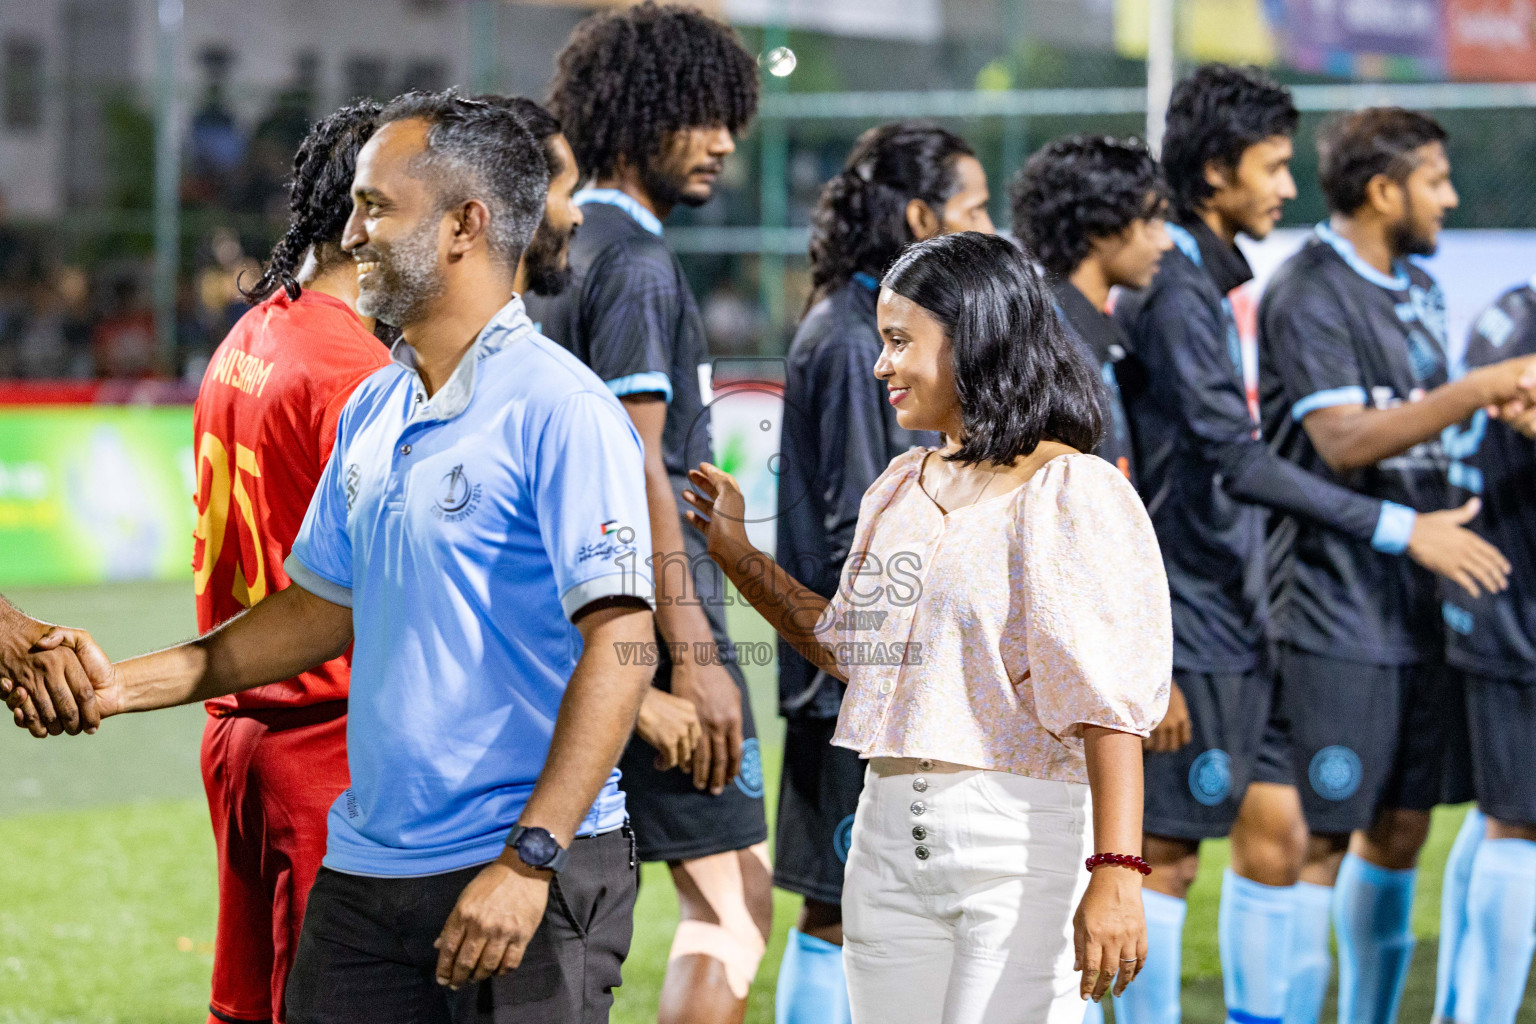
(1354, 436)
(289, 632)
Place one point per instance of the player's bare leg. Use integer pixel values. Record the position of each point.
(1269, 840)
(727, 914)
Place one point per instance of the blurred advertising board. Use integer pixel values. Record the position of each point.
(1363, 38)
(90, 493)
(1235, 31)
(1491, 40)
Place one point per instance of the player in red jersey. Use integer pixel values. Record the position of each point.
(274, 758)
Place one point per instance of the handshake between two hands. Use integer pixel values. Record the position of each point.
(1519, 412)
(54, 679)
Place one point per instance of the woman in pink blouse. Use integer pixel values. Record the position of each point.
(1004, 631)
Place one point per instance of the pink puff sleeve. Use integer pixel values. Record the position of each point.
(1100, 633)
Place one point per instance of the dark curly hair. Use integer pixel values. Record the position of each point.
(1353, 148)
(319, 196)
(1214, 115)
(1082, 188)
(1021, 379)
(860, 222)
(629, 78)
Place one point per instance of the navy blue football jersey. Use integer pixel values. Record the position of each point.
(1106, 341)
(629, 314)
(1202, 467)
(1495, 634)
(1335, 331)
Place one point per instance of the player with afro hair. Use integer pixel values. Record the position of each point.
(651, 98)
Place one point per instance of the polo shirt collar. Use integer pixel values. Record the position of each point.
(628, 203)
(508, 326)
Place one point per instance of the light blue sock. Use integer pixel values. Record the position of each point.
(1453, 912)
(1093, 1013)
(1495, 956)
(1253, 930)
(1372, 919)
(1311, 963)
(1153, 998)
(812, 989)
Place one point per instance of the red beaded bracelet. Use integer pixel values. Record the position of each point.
(1123, 860)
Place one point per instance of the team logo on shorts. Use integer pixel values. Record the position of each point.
(750, 779)
(1210, 777)
(1335, 773)
(842, 839)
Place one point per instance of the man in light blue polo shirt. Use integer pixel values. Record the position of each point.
(477, 532)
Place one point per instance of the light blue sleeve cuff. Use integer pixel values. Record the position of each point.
(618, 584)
(1354, 394)
(1393, 528)
(316, 584)
(642, 383)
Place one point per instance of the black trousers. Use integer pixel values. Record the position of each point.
(366, 954)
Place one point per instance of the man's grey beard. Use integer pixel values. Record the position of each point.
(411, 278)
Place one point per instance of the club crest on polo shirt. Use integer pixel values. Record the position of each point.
(457, 496)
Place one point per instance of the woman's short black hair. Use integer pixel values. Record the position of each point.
(1213, 116)
(1078, 189)
(1021, 379)
(319, 195)
(629, 78)
(1354, 147)
(860, 222)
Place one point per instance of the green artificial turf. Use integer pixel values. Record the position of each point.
(107, 890)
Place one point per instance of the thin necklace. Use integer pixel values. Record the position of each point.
(951, 508)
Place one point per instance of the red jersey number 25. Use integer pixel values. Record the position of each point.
(226, 479)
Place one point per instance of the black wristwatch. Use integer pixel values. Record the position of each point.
(537, 848)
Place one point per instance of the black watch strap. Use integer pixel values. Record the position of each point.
(538, 854)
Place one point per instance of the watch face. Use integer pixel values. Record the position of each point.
(537, 847)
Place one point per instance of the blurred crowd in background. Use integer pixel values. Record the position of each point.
(79, 81)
